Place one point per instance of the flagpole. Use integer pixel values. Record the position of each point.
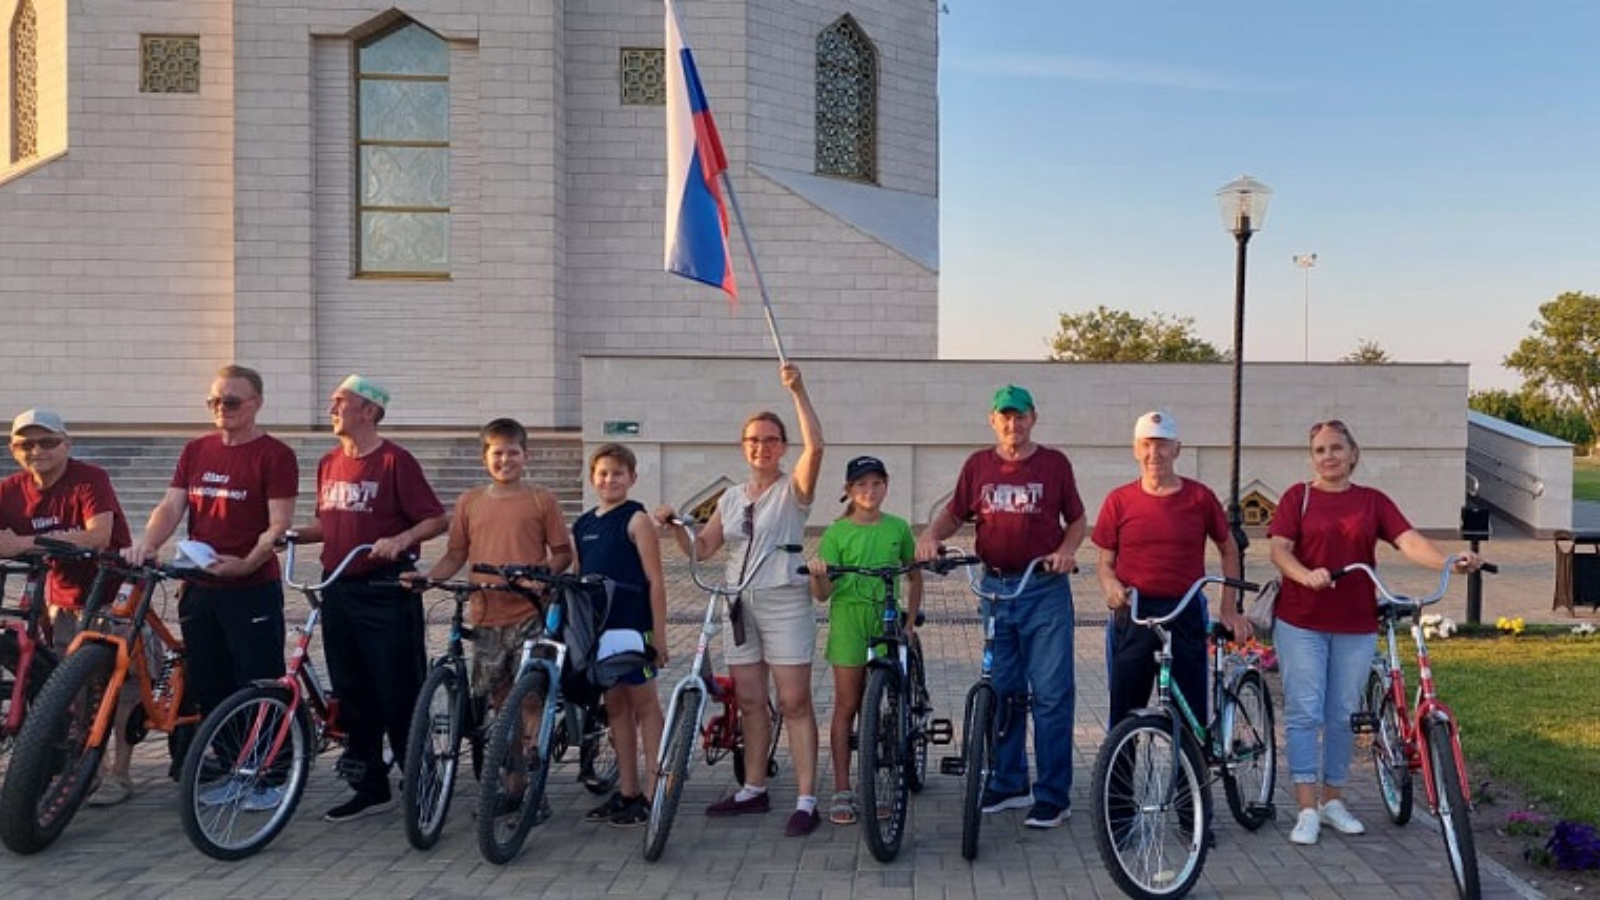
(755, 266)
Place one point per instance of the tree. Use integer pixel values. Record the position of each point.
(1562, 356)
(1115, 335)
(1533, 408)
(1367, 353)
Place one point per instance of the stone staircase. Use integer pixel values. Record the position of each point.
(141, 466)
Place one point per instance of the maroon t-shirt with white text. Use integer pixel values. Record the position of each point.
(228, 486)
(82, 492)
(363, 499)
(1022, 507)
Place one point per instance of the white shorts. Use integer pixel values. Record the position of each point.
(780, 628)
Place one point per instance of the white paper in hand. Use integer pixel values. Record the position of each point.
(194, 555)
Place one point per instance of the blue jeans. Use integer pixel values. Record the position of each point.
(1033, 649)
(1323, 676)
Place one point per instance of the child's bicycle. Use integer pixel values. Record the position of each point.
(58, 752)
(446, 714)
(537, 722)
(1426, 739)
(896, 715)
(26, 656)
(247, 769)
(687, 708)
(1152, 777)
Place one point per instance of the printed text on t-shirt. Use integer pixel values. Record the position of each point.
(349, 496)
(1011, 498)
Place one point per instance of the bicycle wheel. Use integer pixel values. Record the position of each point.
(597, 756)
(1150, 808)
(1250, 760)
(1454, 816)
(433, 754)
(978, 738)
(674, 773)
(54, 762)
(884, 795)
(245, 773)
(921, 710)
(774, 734)
(1388, 750)
(515, 770)
(39, 670)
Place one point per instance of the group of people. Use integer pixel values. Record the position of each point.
(236, 489)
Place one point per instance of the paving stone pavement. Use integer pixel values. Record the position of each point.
(139, 849)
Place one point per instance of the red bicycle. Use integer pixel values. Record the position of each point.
(1425, 739)
(27, 656)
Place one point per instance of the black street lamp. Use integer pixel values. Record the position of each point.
(1244, 209)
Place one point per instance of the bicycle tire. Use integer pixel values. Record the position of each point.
(40, 668)
(977, 735)
(1250, 759)
(53, 763)
(433, 754)
(774, 734)
(883, 764)
(1455, 820)
(507, 813)
(674, 774)
(921, 711)
(597, 757)
(245, 772)
(1389, 761)
(1149, 826)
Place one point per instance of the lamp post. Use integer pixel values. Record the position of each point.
(1243, 203)
(1306, 261)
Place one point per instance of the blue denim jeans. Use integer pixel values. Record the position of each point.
(1323, 676)
(1033, 649)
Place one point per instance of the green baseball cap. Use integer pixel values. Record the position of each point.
(366, 389)
(1013, 398)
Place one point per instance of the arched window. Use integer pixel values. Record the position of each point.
(847, 102)
(403, 152)
(24, 83)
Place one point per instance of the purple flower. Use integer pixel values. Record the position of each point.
(1574, 846)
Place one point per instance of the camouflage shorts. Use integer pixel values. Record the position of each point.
(495, 654)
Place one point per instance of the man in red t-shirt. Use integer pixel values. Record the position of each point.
(1024, 503)
(1152, 536)
(236, 487)
(371, 491)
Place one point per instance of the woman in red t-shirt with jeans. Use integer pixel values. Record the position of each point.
(1325, 630)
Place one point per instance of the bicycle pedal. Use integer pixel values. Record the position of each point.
(1363, 722)
(953, 765)
(940, 731)
(1267, 810)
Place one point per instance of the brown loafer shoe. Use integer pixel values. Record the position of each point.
(801, 823)
(731, 805)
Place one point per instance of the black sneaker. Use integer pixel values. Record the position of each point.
(1047, 815)
(606, 810)
(359, 806)
(634, 812)
(996, 801)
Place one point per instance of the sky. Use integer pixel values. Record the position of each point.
(1442, 159)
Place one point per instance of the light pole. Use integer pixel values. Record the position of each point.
(1306, 261)
(1244, 209)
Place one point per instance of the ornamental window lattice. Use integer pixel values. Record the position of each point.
(24, 82)
(169, 64)
(847, 102)
(403, 152)
(644, 76)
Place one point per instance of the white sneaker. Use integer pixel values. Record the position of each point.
(1334, 813)
(1306, 828)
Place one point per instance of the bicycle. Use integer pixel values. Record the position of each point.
(687, 708)
(896, 714)
(58, 752)
(247, 769)
(27, 657)
(1152, 777)
(521, 750)
(1426, 739)
(446, 714)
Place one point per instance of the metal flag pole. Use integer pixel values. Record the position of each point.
(755, 265)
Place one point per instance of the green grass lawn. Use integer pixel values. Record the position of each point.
(1529, 709)
(1586, 479)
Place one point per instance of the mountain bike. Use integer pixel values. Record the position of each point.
(27, 657)
(446, 714)
(536, 722)
(247, 769)
(687, 708)
(1152, 777)
(896, 714)
(1425, 739)
(58, 752)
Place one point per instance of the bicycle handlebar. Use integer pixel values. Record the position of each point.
(948, 560)
(290, 539)
(515, 572)
(1400, 600)
(1195, 590)
(975, 575)
(726, 590)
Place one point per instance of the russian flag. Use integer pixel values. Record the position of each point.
(697, 219)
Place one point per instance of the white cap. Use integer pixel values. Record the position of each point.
(1156, 424)
(49, 420)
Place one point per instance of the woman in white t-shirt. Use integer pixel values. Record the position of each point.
(775, 617)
